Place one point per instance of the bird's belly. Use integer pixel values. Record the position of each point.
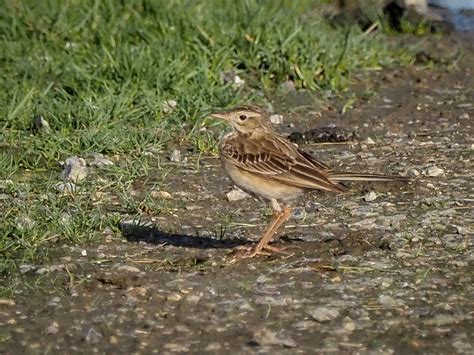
(261, 187)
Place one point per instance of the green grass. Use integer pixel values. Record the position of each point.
(99, 72)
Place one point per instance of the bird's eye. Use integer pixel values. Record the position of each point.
(242, 117)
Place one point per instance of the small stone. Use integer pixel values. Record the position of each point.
(175, 156)
(213, 347)
(463, 230)
(176, 348)
(174, 297)
(24, 268)
(83, 252)
(369, 140)
(238, 81)
(25, 222)
(230, 77)
(236, 194)
(53, 328)
(193, 299)
(74, 170)
(162, 194)
(169, 106)
(464, 116)
(323, 314)
(66, 187)
(53, 302)
(267, 337)
(6, 302)
(128, 268)
(136, 292)
(414, 172)
(389, 301)
(298, 213)
(434, 171)
(98, 160)
(371, 196)
(193, 207)
(40, 125)
(350, 326)
(276, 119)
(93, 336)
(288, 86)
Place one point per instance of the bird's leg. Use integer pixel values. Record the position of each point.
(279, 218)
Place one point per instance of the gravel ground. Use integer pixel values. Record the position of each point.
(385, 268)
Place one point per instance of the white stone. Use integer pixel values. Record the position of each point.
(66, 187)
(128, 268)
(371, 196)
(236, 194)
(74, 169)
(276, 119)
(169, 106)
(175, 156)
(323, 314)
(434, 171)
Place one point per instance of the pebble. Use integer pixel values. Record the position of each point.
(24, 268)
(25, 222)
(163, 194)
(288, 86)
(323, 314)
(6, 302)
(414, 172)
(369, 140)
(434, 171)
(136, 292)
(193, 207)
(169, 106)
(128, 268)
(464, 116)
(350, 326)
(175, 156)
(53, 302)
(213, 347)
(298, 213)
(386, 300)
(74, 169)
(66, 187)
(98, 160)
(93, 336)
(267, 337)
(53, 328)
(236, 194)
(463, 230)
(41, 125)
(371, 196)
(230, 77)
(276, 119)
(238, 81)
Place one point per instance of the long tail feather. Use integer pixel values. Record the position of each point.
(337, 176)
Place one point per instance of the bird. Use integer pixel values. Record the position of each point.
(268, 166)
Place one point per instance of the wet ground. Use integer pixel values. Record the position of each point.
(385, 268)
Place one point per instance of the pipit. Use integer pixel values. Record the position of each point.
(270, 167)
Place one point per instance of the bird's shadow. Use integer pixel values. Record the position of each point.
(147, 233)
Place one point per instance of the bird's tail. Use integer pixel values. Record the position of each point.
(337, 176)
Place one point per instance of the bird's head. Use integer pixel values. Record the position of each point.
(245, 119)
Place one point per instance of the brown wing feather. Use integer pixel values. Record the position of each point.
(278, 159)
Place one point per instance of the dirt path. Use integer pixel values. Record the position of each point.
(390, 274)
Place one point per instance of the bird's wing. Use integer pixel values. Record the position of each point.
(276, 158)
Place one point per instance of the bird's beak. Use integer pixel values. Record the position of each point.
(221, 115)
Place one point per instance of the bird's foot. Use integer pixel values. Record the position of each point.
(251, 251)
